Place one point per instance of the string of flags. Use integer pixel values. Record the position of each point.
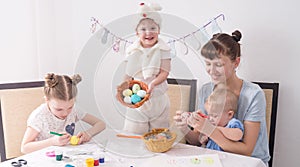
(199, 36)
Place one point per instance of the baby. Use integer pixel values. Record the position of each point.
(221, 106)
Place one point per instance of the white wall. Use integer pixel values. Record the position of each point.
(47, 36)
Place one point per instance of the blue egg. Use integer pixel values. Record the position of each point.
(135, 98)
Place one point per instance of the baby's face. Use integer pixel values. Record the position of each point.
(147, 31)
(217, 116)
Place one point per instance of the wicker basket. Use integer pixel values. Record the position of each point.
(128, 85)
(159, 145)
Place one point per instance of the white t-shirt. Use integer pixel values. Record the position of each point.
(43, 121)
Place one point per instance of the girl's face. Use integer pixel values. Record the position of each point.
(221, 69)
(147, 31)
(60, 108)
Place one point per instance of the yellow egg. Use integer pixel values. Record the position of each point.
(74, 140)
(127, 92)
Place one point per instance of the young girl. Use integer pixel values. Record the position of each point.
(222, 56)
(56, 114)
(148, 60)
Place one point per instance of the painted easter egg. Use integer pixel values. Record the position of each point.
(135, 98)
(127, 99)
(127, 92)
(141, 93)
(74, 140)
(136, 88)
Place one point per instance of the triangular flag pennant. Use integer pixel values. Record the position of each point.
(186, 47)
(198, 41)
(104, 36)
(116, 45)
(173, 48)
(94, 24)
(215, 28)
(204, 36)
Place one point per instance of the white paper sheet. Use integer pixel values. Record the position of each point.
(209, 160)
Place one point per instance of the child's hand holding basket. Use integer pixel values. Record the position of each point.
(132, 93)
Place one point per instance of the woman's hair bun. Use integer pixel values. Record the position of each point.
(76, 79)
(237, 35)
(51, 80)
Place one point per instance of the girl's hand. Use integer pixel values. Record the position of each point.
(150, 87)
(181, 121)
(83, 137)
(61, 140)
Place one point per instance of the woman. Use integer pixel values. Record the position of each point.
(222, 56)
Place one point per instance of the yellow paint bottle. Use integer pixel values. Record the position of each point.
(89, 162)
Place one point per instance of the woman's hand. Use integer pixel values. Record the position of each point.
(181, 121)
(196, 120)
(83, 137)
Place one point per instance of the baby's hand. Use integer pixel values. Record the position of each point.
(61, 140)
(201, 124)
(83, 137)
(203, 139)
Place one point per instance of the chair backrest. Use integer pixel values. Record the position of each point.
(182, 94)
(271, 93)
(17, 101)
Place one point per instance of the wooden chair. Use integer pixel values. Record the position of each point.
(182, 94)
(271, 93)
(17, 101)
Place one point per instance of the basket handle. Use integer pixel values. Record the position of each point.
(160, 130)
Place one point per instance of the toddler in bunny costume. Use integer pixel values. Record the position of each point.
(148, 59)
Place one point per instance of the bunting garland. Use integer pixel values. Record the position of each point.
(204, 35)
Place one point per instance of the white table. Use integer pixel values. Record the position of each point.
(124, 152)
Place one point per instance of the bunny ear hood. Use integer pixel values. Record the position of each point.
(150, 11)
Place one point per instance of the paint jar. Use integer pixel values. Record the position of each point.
(89, 162)
(96, 160)
(58, 155)
(101, 158)
(78, 161)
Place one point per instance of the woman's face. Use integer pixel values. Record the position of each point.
(147, 31)
(221, 69)
(60, 108)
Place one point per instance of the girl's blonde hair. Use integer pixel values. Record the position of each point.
(61, 87)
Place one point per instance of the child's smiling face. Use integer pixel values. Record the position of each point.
(147, 30)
